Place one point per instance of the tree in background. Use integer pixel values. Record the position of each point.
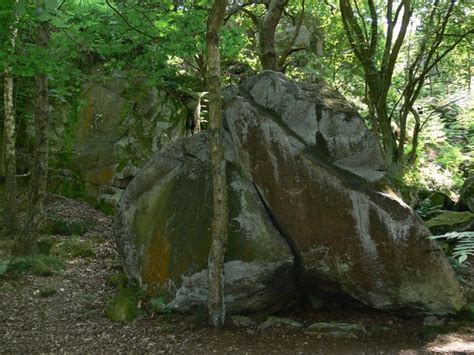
(265, 24)
(9, 22)
(377, 43)
(216, 303)
(25, 243)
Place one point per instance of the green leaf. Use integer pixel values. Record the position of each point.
(58, 22)
(44, 17)
(51, 4)
(20, 8)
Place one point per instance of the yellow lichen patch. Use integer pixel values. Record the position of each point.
(156, 265)
(102, 177)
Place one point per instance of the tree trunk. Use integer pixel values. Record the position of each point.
(412, 156)
(266, 34)
(216, 303)
(9, 152)
(10, 212)
(25, 244)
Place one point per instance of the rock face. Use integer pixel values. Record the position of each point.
(164, 237)
(467, 193)
(348, 237)
(299, 164)
(319, 118)
(120, 122)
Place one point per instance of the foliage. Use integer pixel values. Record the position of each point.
(463, 244)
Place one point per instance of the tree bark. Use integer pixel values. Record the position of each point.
(9, 131)
(26, 242)
(10, 212)
(364, 41)
(216, 303)
(266, 34)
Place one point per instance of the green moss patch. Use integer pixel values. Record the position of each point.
(449, 221)
(57, 226)
(45, 244)
(47, 291)
(118, 280)
(123, 306)
(74, 247)
(39, 265)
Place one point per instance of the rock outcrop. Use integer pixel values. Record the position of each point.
(467, 193)
(116, 126)
(300, 162)
(163, 233)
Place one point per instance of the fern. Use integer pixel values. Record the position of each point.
(463, 244)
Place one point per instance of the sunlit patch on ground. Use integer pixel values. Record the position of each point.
(453, 343)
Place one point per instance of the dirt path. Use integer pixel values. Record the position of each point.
(72, 319)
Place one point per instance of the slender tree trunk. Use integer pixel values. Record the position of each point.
(26, 242)
(2, 153)
(412, 156)
(216, 303)
(197, 115)
(266, 34)
(9, 152)
(10, 211)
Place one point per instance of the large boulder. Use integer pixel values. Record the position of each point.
(163, 230)
(300, 162)
(349, 237)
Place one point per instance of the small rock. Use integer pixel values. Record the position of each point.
(433, 321)
(243, 322)
(337, 330)
(278, 321)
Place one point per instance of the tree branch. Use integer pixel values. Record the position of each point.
(128, 22)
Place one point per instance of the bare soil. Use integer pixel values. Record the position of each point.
(73, 320)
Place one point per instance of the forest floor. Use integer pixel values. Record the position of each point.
(71, 319)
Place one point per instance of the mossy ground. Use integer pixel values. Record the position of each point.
(59, 226)
(39, 265)
(123, 307)
(74, 247)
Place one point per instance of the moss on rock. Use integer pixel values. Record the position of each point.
(451, 221)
